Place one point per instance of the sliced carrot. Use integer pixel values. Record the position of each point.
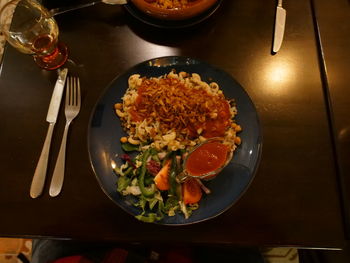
(162, 178)
(192, 192)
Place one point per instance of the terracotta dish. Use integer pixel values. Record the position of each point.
(195, 8)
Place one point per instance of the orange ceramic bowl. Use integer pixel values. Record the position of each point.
(196, 7)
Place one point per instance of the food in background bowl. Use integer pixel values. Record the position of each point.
(173, 9)
(171, 4)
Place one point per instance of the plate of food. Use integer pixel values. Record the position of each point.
(174, 141)
(175, 20)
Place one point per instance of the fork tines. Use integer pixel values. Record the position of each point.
(73, 91)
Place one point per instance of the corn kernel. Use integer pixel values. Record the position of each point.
(118, 106)
(238, 140)
(123, 139)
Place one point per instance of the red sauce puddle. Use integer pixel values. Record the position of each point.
(207, 158)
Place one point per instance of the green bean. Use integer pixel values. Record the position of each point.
(146, 191)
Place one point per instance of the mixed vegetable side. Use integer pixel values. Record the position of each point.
(154, 179)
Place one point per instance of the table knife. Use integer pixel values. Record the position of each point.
(279, 27)
(62, 10)
(38, 181)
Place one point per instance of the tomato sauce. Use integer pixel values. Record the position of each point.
(176, 106)
(218, 126)
(207, 158)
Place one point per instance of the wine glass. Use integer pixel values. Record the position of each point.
(33, 31)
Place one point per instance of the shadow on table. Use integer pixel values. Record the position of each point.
(57, 251)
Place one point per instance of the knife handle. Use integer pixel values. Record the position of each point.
(40, 171)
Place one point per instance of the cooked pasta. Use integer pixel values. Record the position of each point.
(175, 111)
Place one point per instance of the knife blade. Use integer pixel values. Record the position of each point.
(279, 27)
(38, 181)
(65, 9)
(57, 96)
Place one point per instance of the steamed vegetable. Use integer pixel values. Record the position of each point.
(153, 181)
(150, 190)
(174, 185)
(128, 147)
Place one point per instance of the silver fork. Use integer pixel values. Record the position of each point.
(72, 108)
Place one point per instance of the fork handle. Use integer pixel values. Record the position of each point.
(58, 173)
(38, 181)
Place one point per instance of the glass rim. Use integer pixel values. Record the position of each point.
(3, 24)
(6, 14)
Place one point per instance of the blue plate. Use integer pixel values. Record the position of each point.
(105, 131)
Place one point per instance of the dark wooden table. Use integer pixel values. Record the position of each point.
(333, 22)
(294, 198)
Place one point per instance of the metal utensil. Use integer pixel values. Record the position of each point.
(279, 27)
(72, 109)
(38, 181)
(61, 10)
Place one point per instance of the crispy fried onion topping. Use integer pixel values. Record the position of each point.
(175, 111)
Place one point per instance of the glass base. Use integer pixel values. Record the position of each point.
(55, 60)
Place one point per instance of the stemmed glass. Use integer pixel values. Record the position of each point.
(33, 31)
